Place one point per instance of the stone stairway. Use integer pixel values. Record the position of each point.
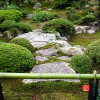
(39, 39)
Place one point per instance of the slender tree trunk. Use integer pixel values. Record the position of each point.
(35, 2)
(20, 2)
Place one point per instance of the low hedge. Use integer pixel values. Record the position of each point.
(15, 58)
(23, 42)
(81, 63)
(63, 26)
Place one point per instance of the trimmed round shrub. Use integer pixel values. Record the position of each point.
(63, 26)
(23, 42)
(93, 51)
(15, 58)
(23, 27)
(11, 15)
(81, 63)
(9, 24)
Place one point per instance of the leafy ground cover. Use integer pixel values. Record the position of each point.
(15, 89)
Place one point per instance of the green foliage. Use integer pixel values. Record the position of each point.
(23, 42)
(15, 58)
(14, 32)
(15, 7)
(98, 97)
(12, 6)
(23, 27)
(81, 63)
(63, 26)
(1, 28)
(11, 15)
(62, 4)
(93, 51)
(1, 18)
(86, 19)
(24, 12)
(40, 16)
(76, 17)
(9, 24)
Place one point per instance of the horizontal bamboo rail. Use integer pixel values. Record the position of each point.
(49, 75)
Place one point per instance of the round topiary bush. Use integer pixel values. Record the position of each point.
(81, 63)
(23, 42)
(93, 51)
(63, 26)
(15, 58)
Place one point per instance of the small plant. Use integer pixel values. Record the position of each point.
(81, 63)
(23, 42)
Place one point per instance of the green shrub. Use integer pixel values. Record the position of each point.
(15, 58)
(1, 18)
(1, 28)
(15, 7)
(14, 32)
(9, 7)
(24, 12)
(86, 20)
(81, 63)
(62, 4)
(40, 16)
(63, 26)
(93, 51)
(23, 27)
(76, 17)
(23, 42)
(9, 24)
(11, 15)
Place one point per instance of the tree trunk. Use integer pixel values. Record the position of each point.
(20, 2)
(35, 2)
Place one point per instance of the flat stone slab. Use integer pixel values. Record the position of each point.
(38, 37)
(39, 58)
(56, 67)
(64, 58)
(38, 44)
(47, 52)
(62, 43)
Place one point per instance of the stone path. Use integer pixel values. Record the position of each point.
(39, 39)
(57, 67)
